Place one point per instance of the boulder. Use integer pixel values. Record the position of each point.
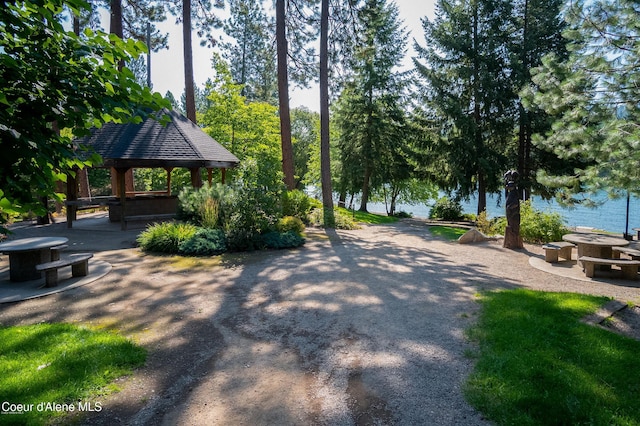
(474, 236)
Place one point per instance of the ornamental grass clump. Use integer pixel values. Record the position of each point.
(166, 237)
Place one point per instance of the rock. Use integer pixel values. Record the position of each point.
(473, 236)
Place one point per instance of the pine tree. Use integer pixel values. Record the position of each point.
(537, 31)
(468, 94)
(370, 114)
(593, 96)
(252, 54)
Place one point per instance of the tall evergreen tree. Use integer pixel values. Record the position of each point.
(293, 35)
(468, 93)
(370, 114)
(594, 97)
(537, 31)
(203, 19)
(252, 55)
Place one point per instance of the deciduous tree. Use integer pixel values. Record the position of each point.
(51, 75)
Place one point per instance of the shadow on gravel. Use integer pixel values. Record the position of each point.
(352, 328)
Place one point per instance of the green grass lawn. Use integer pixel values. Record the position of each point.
(447, 232)
(539, 365)
(370, 218)
(59, 364)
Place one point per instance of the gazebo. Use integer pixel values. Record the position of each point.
(150, 144)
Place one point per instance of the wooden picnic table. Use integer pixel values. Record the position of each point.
(26, 253)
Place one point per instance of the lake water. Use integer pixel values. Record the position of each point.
(610, 216)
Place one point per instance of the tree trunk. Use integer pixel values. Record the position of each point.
(283, 97)
(187, 46)
(524, 124)
(115, 24)
(482, 192)
(115, 27)
(477, 117)
(365, 188)
(325, 158)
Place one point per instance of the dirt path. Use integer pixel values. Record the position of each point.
(356, 327)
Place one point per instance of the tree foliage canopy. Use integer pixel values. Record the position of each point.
(53, 79)
(594, 96)
(370, 113)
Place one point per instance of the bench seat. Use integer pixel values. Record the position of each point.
(557, 249)
(629, 267)
(632, 253)
(79, 267)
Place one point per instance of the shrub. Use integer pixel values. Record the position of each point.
(540, 227)
(205, 242)
(536, 227)
(166, 237)
(296, 203)
(290, 223)
(402, 215)
(281, 240)
(495, 226)
(239, 239)
(343, 221)
(209, 206)
(255, 208)
(446, 209)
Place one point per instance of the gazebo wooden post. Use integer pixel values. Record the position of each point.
(209, 175)
(223, 174)
(196, 179)
(72, 195)
(169, 170)
(122, 194)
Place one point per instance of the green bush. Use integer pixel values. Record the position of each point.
(446, 209)
(256, 207)
(402, 215)
(281, 240)
(296, 203)
(166, 237)
(539, 227)
(205, 242)
(208, 206)
(343, 221)
(495, 226)
(290, 223)
(536, 227)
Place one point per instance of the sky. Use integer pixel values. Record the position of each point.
(167, 69)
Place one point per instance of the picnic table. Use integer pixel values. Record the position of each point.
(26, 253)
(595, 245)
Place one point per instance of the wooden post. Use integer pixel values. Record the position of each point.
(169, 170)
(122, 194)
(196, 180)
(209, 175)
(72, 195)
(223, 173)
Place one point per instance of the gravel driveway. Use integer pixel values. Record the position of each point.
(356, 327)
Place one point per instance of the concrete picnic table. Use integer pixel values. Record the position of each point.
(595, 245)
(26, 253)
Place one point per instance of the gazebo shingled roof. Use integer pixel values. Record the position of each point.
(150, 144)
(180, 143)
